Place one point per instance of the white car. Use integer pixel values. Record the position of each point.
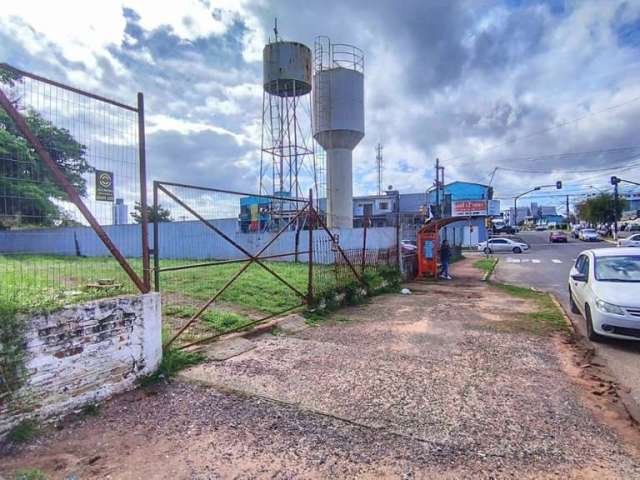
(632, 241)
(589, 235)
(603, 287)
(502, 245)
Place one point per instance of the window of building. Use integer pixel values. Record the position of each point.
(384, 205)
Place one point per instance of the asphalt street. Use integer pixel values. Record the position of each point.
(546, 267)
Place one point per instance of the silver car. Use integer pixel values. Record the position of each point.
(502, 245)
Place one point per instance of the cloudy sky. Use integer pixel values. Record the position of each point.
(544, 90)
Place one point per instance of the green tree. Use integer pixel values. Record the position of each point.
(600, 209)
(160, 213)
(28, 191)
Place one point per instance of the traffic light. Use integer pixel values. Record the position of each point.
(559, 184)
(615, 180)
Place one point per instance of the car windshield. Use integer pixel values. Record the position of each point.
(588, 230)
(619, 268)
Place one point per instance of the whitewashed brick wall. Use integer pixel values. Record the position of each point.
(86, 353)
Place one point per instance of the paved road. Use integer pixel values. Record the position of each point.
(546, 266)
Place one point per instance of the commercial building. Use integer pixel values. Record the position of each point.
(120, 212)
(473, 202)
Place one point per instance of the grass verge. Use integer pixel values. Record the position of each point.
(487, 265)
(546, 319)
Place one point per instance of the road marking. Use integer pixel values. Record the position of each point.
(513, 260)
(555, 260)
(525, 260)
(535, 260)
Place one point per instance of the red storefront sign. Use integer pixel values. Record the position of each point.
(468, 208)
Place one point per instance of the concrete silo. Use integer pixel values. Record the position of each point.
(338, 121)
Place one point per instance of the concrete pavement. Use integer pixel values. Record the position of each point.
(546, 267)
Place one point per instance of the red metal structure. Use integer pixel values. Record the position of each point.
(428, 242)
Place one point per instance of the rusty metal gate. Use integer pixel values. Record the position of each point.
(226, 260)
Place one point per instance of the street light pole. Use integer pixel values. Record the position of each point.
(558, 185)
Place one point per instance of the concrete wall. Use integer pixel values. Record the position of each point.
(190, 240)
(85, 353)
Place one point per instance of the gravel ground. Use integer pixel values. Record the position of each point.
(412, 386)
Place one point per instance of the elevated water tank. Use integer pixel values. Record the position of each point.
(286, 69)
(338, 113)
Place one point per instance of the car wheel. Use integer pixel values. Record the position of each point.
(487, 250)
(572, 303)
(591, 333)
(517, 250)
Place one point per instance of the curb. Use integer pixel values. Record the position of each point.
(488, 273)
(565, 315)
(629, 403)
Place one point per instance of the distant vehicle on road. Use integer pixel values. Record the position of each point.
(632, 241)
(558, 236)
(541, 228)
(504, 229)
(603, 288)
(589, 235)
(575, 232)
(502, 245)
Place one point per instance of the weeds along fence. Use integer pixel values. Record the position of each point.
(225, 260)
(72, 166)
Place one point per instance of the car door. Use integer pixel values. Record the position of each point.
(634, 240)
(500, 245)
(581, 289)
(574, 284)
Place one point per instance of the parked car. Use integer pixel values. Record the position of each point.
(575, 232)
(558, 236)
(502, 245)
(589, 235)
(408, 246)
(603, 288)
(541, 228)
(504, 230)
(632, 241)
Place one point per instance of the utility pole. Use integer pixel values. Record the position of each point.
(567, 209)
(379, 167)
(444, 198)
(437, 188)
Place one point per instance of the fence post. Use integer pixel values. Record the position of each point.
(364, 242)
(310, 223)
(156, 240)
(398, 246)
(146, 268)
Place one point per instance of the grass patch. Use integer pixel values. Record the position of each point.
(487, 265)
(91, 410)
(29, 474)
(546, 319)
(218, 320)
(24, 432)
(173, 360)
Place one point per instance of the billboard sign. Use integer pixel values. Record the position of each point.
(468, 208)
(493, 208)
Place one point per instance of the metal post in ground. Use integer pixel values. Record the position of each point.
(311, 216)
(364, 242)
(156, 240)
(146, 267)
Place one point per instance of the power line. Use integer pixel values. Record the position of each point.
(546, 130)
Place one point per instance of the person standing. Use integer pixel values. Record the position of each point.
(445, 257)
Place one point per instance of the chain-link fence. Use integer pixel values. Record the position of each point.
(71, 187)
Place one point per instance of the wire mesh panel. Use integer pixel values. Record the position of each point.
(49, 253)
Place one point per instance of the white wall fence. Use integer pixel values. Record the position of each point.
(181, 240)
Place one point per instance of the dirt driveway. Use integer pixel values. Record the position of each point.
(428, 385)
